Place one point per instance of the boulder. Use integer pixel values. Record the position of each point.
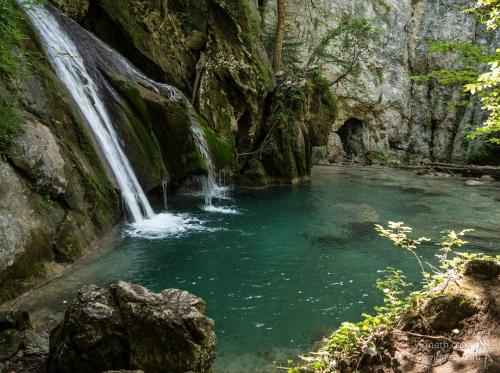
(128, 327)
(14, 319)
(37, 153)
(298, 118)
(12, 326)
(35, 343)
(10, 343)
(487, 178)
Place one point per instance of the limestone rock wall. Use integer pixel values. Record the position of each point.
(395, 114)
(55, 197)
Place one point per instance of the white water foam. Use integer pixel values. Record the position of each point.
(70, 68)
(221, 209)
(166, 225)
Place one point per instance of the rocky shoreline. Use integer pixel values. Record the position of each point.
(123, 327)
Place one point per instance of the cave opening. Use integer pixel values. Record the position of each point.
(351, 134)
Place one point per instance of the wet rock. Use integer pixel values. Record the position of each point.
(10, 343)
(299, 116)
(76, 9)
(14, 319)
(474, 183)
(145, 30)
(482, 269)
(129, 327)
(35, 343)
(320, 155)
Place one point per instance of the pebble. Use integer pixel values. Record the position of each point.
(474, 183)
(487, 178)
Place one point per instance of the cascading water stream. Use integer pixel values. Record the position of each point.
(209, 182)
(81, 79)
(70, 68)
(212, 188)
(84, 81)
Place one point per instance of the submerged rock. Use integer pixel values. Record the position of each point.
(129, 327)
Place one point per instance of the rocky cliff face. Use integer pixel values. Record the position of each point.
(216, 57)
(55, 195)
(384, 110)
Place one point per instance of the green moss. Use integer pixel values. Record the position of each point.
(146, 147)
(12, 53)
(27, 269)
(10, 121)
(222, 151)
(98, 190)
(47, 203)
(137, 103)
(377, 156)
(11, 34)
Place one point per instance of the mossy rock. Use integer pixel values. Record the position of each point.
(143, 31)
(10, 343)
(299, 117)
(222, 151)
(482, 269)
(442, 313)
(377, 157)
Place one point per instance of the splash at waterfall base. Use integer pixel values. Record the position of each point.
(66, 182)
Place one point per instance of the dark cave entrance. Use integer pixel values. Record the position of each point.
(351, 134)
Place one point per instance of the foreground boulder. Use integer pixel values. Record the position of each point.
(127, 327)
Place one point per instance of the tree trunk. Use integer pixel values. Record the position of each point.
(280, 33)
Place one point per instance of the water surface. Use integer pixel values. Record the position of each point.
(290, 264)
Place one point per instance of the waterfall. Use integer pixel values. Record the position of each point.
(209, 181)
(70, 69)
(213, 183)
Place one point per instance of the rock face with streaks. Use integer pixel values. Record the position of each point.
(382, 109)
(128, 327)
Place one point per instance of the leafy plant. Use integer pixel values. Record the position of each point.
(47, 203)
(471, 59)
(10, 122)
(351, 342)
(345, 45)
(397, 233)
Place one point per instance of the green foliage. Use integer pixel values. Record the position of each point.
(10, 122)
(471, 59)
(47, 203)
(487, 11)
(345, 45)
(351, 342)
(397, 233)
(11, 33)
